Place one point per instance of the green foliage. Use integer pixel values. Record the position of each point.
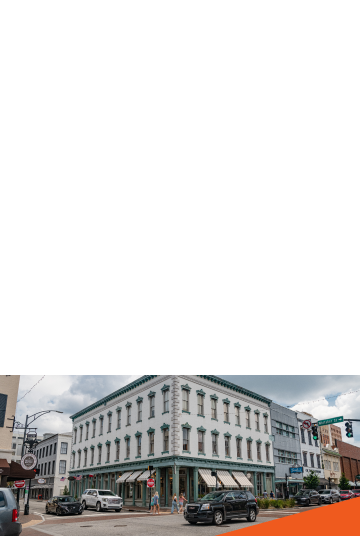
(66, 491)
(343, 482)
(312, 481)
(264, 504)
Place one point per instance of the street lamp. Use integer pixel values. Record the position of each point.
(27, 423)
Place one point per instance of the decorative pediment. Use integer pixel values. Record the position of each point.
(259, 441)
(151, 394)
(226, 401)
(268, 443)
(150, 431)
(85, 448)
(186, 425)
(248, 408)
(265, 414)
(81, 426)
(109, 413)
(128, 404)
(214, 397)
(139, 399)
(256, 411)
(99, 444)
(227, 434)
(116, 440)
(164, 426)
(201, 392)
(108, 442)
(238, 437)
(87, 422)
(101, 416)
(201, 429)
(165, 387)
(118, 408)
(94, 420)
(92, 446)
(249, 439)
(186, 387)
(237, 405)
(214, 432)
(138, 434)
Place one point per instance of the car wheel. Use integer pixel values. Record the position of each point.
(218, 517)
(319, 502)
(84, 505)
(252, 515)
(46, 510)
(58, 512)
(307, 502)
(79, 513)
(98, 507)
(331, 500)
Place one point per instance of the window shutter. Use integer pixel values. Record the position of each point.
(3, 404)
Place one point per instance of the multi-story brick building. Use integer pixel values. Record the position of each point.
(332, 466)
(350, 460)
(329, 433)
(185, 427)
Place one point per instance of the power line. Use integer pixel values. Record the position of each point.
(30, 389)
(325, 398)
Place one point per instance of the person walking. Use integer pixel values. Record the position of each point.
(174, 504)
(156, 503)
(181, 503)
(152, 509)
(265, 494)
(271, 494)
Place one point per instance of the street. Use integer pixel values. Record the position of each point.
(132, 522)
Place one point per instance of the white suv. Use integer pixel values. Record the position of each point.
(101, 499)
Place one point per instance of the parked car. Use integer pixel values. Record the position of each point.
(101, 499)
(62, 505)
(305, 497)
(356, 492)
(9, 524)
(346, 494)
(329, 496)
(219, 506)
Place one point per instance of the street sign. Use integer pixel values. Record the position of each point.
(19, 483)
(28, 461)
(296, 469)
(357, 476)
(330, 421)
(150, 483)
(306, 424)
(41, 481)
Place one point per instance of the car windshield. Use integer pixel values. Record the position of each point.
(325, 492)
(214, 496)
(344, 491)
(66, 499)
(302, 492)
(106, 492)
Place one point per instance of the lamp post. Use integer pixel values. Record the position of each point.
(29, 420)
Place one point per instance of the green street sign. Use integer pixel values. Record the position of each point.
(358, 476)
(330, 421)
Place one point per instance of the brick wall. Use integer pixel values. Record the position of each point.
(350, 459)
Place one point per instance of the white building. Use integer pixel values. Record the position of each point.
(53, 455)
(310, 449)
(185, 427)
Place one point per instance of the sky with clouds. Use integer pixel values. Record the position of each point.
(304, 393)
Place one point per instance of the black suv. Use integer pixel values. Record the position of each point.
(219, 506)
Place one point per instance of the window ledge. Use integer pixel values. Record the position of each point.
(250, 459)
(92, 437)
(212, 418)
(165, 452)
(186, 452)
(91, 465)
(116, 460)
(109, 432)
(126, 458)
(152, 417)
(108, 461)
(127, 425)
(239, 425)
(228, 457)
(152, 454)
(248, 428)
(139, 421)
(98, 463)
(201, 454)
(239, 458)
(188, 412)
(268, 462)
(100, 434)
(163, 413)
(199, 415)
(118, 428)
(259, 461)
(215, 455)
(137, 457)
(226, 422)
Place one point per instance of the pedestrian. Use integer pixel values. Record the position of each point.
(271, 494)
(156, 503)
(174, 504)
(181, 502)
(152, 509)
(265, 494)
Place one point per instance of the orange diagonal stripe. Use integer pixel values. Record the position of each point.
(329, 519)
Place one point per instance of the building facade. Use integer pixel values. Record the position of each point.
(332, 466)
(287, 450)
(329, 433)
(310, 449)
(349, 461)
(53, 454)
(183, 426)
(9, 386)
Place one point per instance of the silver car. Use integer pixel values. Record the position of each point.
(9, 524)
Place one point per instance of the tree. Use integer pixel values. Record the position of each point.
(343, 482)
(66, 491)
(312, 481)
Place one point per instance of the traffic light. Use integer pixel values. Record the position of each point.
(348, 429)
(315, 432)
(150, 467)
(37, 471)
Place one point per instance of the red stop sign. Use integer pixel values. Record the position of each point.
(150, 483)
(20, 484)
